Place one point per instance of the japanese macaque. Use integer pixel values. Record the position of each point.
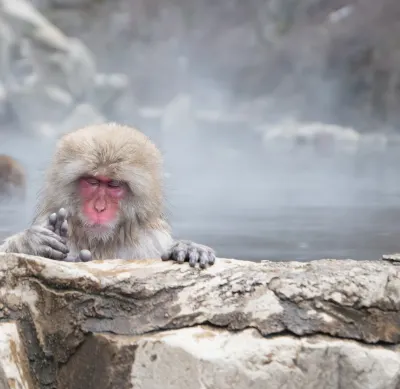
(12, 176)
(103, 199)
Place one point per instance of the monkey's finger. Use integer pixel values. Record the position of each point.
(52, 219)
(167, 255)
(179, 252)
(41, 232)
(211, 258)
(193, 257)
(85, 255)
(48, 252)
(56, 245)
(203, 259)
(180, 256)
(61, 216)
(64, 229)
(51, 222)
(62, 213)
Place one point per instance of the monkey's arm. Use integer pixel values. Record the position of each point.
(186, 250)
(14, 244)
(38, 241)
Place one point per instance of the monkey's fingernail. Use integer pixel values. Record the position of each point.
(85, 255)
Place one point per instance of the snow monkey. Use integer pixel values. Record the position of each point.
(12, 176)
(102, 199)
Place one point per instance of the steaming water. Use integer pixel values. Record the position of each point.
(255, 205)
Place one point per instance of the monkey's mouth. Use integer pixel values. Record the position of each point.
(99, 224)
(99, 231)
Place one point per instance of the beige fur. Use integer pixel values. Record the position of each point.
(121, 153)
(12, 176)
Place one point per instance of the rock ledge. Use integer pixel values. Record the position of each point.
(153, 324)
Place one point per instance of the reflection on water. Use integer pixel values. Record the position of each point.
(253, 205)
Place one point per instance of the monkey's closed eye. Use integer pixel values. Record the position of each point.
(92, 181)
(114, 184)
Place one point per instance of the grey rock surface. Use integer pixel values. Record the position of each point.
(325, 323)
(213, 358)
(14, 367)
(395, 257)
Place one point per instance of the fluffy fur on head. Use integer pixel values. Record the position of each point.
(116, 151)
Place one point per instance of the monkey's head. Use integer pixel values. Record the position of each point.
(12, 176)
(106, 175)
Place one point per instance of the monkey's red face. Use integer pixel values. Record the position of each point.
(101, 198)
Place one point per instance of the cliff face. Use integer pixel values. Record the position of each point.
(152, 324)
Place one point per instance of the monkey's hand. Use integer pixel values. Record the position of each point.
(38, 241)
(50, 241)
(59, 224)
(41, 240)
(185, 250)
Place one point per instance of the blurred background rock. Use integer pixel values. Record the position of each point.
(278, 119)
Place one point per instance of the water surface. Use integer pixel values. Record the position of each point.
(252, 204)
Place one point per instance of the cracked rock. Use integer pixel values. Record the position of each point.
(202, 357)
(149, 323)
(14, 368)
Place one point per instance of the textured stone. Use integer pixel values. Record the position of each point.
(391, 257)
(14, 368)
(201, 357)
(66, 310)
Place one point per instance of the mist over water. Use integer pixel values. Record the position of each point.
(269, 61)
(253, 204)
(294, 206)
